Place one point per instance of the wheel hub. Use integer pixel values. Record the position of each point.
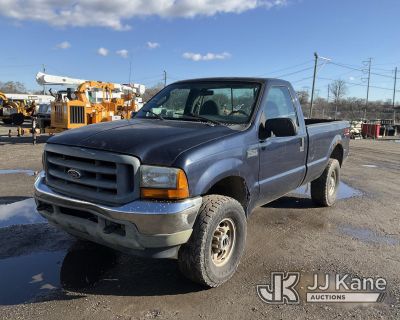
(332, 183)
(223, 242)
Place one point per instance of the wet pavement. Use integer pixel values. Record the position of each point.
(14, 171)
(42, 270)
(344, 191)
(368, 235)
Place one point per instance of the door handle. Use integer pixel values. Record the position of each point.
(302, 144)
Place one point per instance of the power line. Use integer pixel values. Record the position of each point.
(284, 69)
(360, 70)
(303, 79)
(358, 84)
(295, 72)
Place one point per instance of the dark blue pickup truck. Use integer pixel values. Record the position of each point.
(181, 178)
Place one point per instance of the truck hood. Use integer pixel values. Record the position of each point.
(151, 140)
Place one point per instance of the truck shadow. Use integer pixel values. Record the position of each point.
(24, 139)
(101, 271)
(291, 202)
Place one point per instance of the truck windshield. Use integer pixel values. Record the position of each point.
(215, 102)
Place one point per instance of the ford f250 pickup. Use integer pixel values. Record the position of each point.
(181, 179)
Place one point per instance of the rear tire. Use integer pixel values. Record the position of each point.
(213, 252)
(324, 189)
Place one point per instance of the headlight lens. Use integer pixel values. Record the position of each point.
(158, 177)
(163, 183)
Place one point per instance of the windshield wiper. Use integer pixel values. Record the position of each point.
(195, 116)
(155, 114)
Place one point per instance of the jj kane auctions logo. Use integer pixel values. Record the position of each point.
(326, 288)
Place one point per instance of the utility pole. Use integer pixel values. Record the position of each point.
(44, 71)
(327, 102)
(165, 78)
(336, 101)
(313, 83)
(329, 89)
(130, 70)
(394, 95)
(369, 78)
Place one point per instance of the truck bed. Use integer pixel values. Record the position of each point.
(323, 134)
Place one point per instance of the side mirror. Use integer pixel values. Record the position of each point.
(279, 127)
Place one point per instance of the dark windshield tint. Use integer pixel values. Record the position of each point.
(224, 102)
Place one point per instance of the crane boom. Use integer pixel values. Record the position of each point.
(48, 79)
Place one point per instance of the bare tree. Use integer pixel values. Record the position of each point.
(151, 91)
(12, 87)
(303, 96)
(338, 89)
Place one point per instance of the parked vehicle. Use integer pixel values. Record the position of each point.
(43, 116)
(15, 108)
(181, 178)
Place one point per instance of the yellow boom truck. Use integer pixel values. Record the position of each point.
(91, 102)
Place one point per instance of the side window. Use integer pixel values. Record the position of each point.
(279, 104)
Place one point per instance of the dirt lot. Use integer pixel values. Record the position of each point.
(45, 274)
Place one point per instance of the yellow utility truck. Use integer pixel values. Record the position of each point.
(91, 101)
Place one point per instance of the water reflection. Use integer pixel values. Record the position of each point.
(20, 212)
(24, 278)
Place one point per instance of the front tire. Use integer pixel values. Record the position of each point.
(213, 252)
(324, 189)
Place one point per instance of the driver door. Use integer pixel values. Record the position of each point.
(282, 159)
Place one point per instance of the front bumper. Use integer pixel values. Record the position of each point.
(145, 228)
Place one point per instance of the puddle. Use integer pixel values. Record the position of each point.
(13, 171)
(369, 166)
(24, 278)
(368, 235)
(20, 212)
(37, 276)
(344, 191)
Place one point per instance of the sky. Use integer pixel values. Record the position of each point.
(100, 40)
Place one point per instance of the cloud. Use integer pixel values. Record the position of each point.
(102, 52)
(113, 14)
(63, 45)
(152, 45)
(351, 78)
(123, 53)
(206, 57)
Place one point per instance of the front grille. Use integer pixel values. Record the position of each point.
(92, 175)
(58, 113)
(76, 114)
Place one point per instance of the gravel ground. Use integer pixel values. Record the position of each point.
(48, 275)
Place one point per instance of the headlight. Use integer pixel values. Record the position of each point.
(163, 183)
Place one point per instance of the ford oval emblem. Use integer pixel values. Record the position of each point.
(74, 174)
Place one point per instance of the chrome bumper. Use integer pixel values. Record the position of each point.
(142, 224)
